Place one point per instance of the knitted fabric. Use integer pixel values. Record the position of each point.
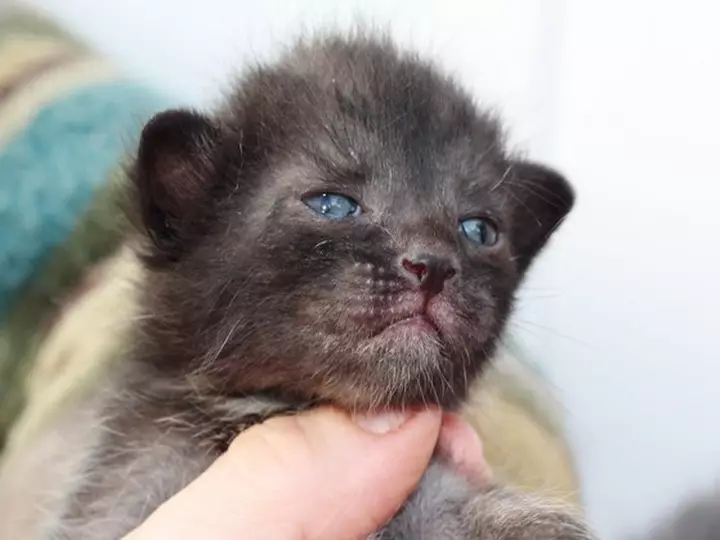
(67, 119)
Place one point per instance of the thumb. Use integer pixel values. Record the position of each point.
(322, 475)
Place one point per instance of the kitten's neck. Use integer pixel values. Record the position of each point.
(188, 403)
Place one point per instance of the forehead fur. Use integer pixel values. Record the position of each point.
(346, 101)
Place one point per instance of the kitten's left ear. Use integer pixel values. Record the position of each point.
(173, 173)
(544, 197)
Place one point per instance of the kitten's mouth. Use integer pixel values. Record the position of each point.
(420, 322)
(417, 315)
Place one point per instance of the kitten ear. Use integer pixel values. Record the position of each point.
(172, 173)
(544, 198)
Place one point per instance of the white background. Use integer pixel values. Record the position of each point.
(624, 97)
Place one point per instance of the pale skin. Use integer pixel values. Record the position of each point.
(322, 474)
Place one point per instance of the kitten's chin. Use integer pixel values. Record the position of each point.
(418, 393)
(406, 365)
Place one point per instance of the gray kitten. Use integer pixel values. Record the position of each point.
(347, 229)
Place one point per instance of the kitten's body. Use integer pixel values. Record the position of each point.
(254, 305)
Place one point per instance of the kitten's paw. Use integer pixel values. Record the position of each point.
(446, 507)
(504, 515)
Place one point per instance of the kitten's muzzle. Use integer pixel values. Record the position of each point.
(435, 313)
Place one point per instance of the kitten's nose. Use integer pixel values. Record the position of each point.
(429, 271)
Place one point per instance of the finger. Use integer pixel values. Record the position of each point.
(320, 475)
(460, 445)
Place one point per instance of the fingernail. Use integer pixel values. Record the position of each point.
(382, 423)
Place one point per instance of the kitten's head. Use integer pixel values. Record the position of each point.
(349, 227)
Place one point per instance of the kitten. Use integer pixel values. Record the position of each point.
(347, 228)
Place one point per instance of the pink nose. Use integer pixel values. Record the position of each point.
(428, 272)
(419, 269)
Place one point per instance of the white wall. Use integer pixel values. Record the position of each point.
(639, 265)
(623, 96)
(190, 47)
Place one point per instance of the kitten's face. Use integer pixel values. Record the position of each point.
(381, 286)
(364, 246)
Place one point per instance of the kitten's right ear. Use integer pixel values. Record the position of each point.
(544, 199)
(172, 173)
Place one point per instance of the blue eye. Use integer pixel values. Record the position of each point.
(480, 231)
(333, 206)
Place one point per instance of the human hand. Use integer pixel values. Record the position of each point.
(320, 475)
